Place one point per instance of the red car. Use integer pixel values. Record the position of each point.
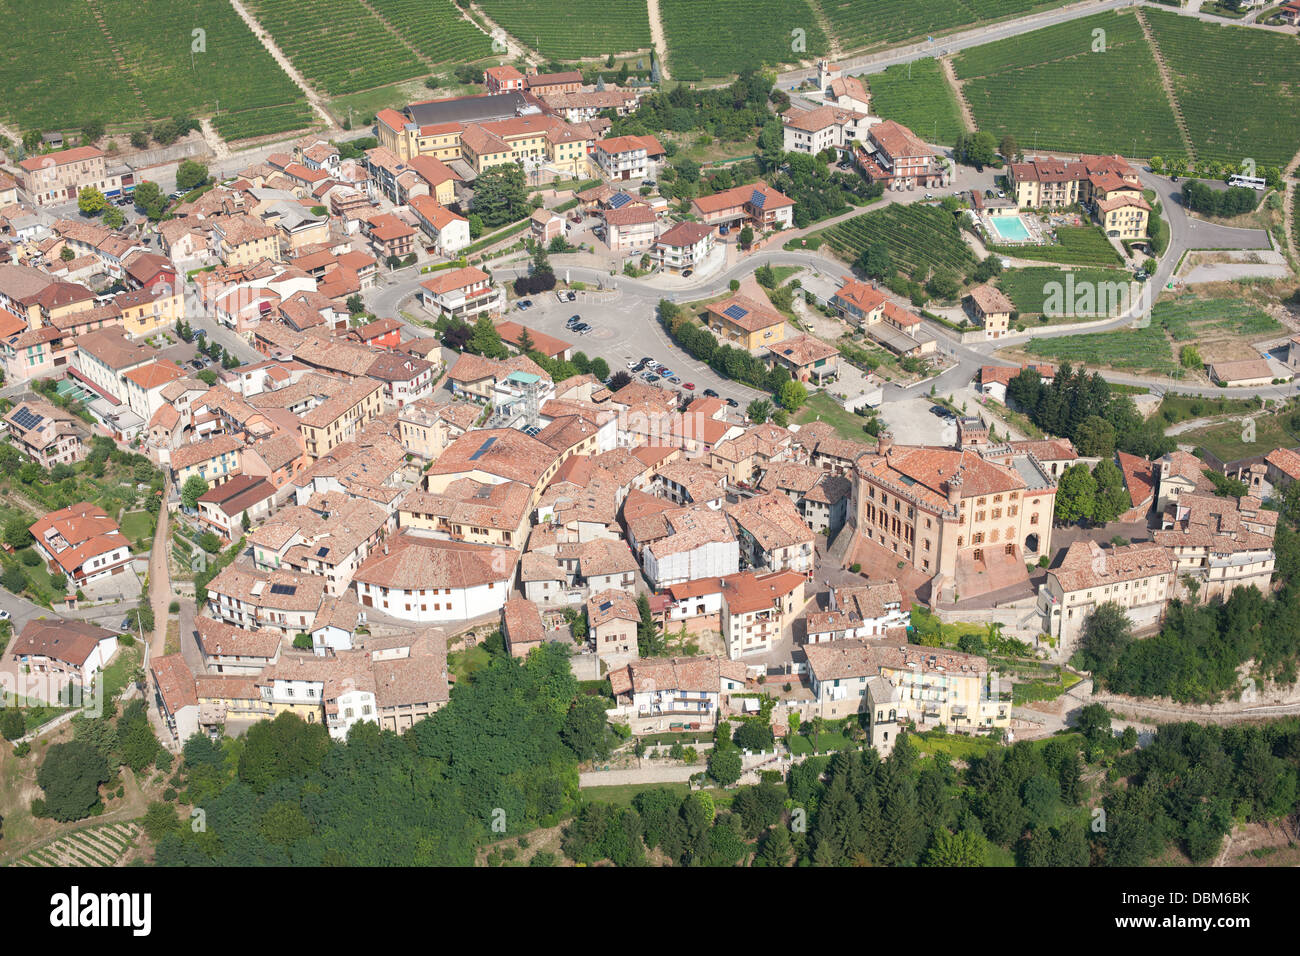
(689, 385)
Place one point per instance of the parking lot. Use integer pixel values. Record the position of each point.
(911, 422)
(624, 330)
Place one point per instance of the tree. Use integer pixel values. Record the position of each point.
(149, 199)
(1094, 723)
(793, 395)
(12, 723)
(32, 140)
(1095, 437)
(747, 236)
(600, 368)
(759, 411)
(486, 340)
(620, 380)
(192, 490)
(963, 848)
(725, 763)
(66, 254)
(190, 175)
(500, 195)
(650, 642)
(1190, 357)
(114, 218)
(70, 776)
(754, 736)
(91, 201)
(764, 275)
(876, 262)
(139, 139)
(1107, 633)
(355, 305)
(1010, 149)
(775, 849)
(1075, 495)
(1112, 499)
(475, 225)
(16, 533)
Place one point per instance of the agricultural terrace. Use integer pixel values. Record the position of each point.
(1050, 89)
(1133, 350)
(139, 66)
(570, 29)
(1190, 318)
(728, 36)
(1027, 288)
(867, 23)
(1238, 88)
(1075, 246)
(435, 28)
(920, 99)
(92, 846)
(920, 238)
(339, 45)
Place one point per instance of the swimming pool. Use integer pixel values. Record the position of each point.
(1009, 228)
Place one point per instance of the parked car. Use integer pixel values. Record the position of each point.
(686, 273)
(648, 182)
(525, 304)
(582, 328)
(929, 196)
(673, 379)
(633, 367)
(733, 403)
(710, 393)
(574, 320)
(651, 378)
(689, 386)
(4, 615)
(125, 625)
(572, 296)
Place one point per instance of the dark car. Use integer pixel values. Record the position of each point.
(710, 393)
(573, 320)
(573, 296)
(941, 412)
(733, 403)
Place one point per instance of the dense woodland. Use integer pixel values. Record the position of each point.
(1083, 408)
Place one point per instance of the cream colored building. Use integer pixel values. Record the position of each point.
(1138, 577)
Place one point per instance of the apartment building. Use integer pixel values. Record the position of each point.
(900, 684)
(464, 293)
(824, 127)
(58, 177)
(772, 534)
(896, 156)
(759, 206)
(684, 246)
(757, 608)
(338, 418)
(1138, 577)
(622, 158)
(328, 537)
(282, 601)
(430, 580)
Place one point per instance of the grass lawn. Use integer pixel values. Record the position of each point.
(1043, 689)
(116, 674)
(956, 746)
(822, 406)
(1181, 408)
(1225, 441)
(826, 740)
(137, 525)
(464, 663)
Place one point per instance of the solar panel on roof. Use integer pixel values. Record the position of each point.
(284, 588)
(322, 552)
(26, 419)
(619, 200)
(483, 448)
(607, 605)
(735, 312)
(757, 199)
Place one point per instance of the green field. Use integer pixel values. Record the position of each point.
(1190, 318)
(79, 78)
(865, 23)
(1128, 349)
(1028, 288)
(1239, 88)
(920, 238)
(919, 98)
(1224, 439)
(1051, 90)
(728, 36)
(1075, 246)
(821, 406)
(136, 525)
(578, 28)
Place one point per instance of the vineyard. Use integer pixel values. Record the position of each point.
(436, 29)
(339, 45)
(1239, 89)
(867, 23)
(1028, 288)
(920, 99)
(735, 35)
(1051, 90)
(1132, 349)
(576, 28)
(920, 238)
(1076, 246)
(264, 121)
(158, 76)
(94, 846)
(1191, 318)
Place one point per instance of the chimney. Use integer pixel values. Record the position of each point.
(884, 442)
(954, 490)
(832, 605)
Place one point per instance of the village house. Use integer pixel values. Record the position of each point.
(758, 206)
(757, 608)
(772, 534)
(612, 621)
(657, 696)
(225, 507)
(81, 542)
(461, 293)
(740, 321)
(989, 307)
(430, 580)
(865, 611)
(67, 652)
(1139, 577)
(281, 601)
(47, 433)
